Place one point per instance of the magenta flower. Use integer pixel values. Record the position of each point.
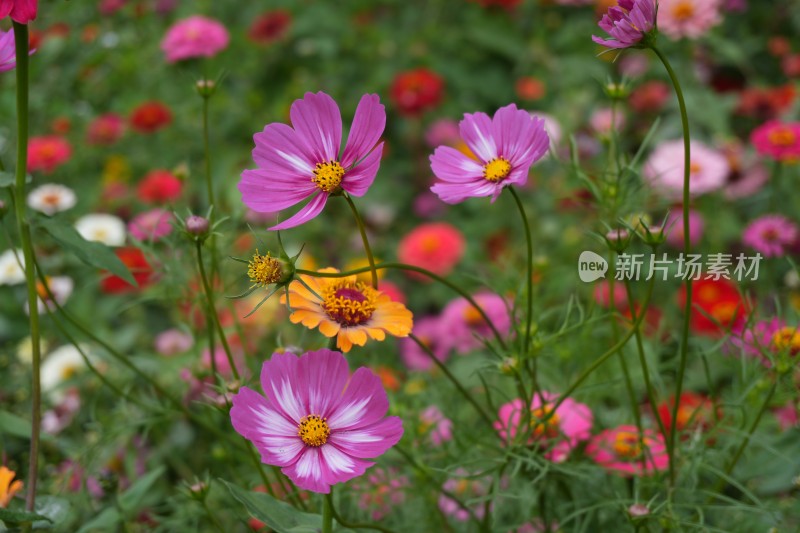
(772, 235)
(301, 161)
(461, 326)
(317, 422)
(196, 36)
(505, 146)
(151, 225)
(429, 330)
(778, 140)
(623, 450)
(8, 55)
(627, 23)
(21, 11)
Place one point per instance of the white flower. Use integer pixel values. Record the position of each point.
(60, 286)
(60, 365)
(100, 227)
(51, 198)
(11, 272)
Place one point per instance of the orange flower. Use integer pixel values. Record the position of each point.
(347, 309)
(7, 488)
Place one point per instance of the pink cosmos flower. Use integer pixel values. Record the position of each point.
(560, 433)
(151, 225)
(772, 235)
(505, 146)
(627, 23)
(463, 326)
(173, 342)
(196, 36)
(22, 11)
(622, 450)
(465, 489)
(317, 422)
(602, 295)
(428, 330)
(674, 228)
(302, 161)
(687, 18)
(777, 140)
(604, 121)
(788, 416)
(435, 425)
(664, 169)
(8, 54)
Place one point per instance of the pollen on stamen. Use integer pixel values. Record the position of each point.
(264, 270)
(497, 169)
(328, 176)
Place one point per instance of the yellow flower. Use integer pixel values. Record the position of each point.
(7, 488)
(347, 309)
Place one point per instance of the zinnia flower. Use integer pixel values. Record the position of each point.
(777, 140)
(771, 235)
(347, 309)
(142, 272)
(560, 431)
(8, 487)
(674, 228)
(465, 489)
(429, 331)
(173, 342)
(627, 23)
(151, 225)
(48, 152)
(437, 427)
(716, 306)
(437, 246)
(51, 198)
(687, 18)
(150, 117)
(196, 36)
(302, 161)
(416, 91)
(664, 169)
(159, 187)
(105, 129)
(58, 366)
(21, 11)
(625, 451)
(100, 227)
(59, 286)
(694, 411)
(317, 422)
(463, 326)
(270, 26)
(11, 273)
(506, 146)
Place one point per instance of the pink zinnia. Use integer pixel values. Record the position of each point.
(772, 235)
(627, 23)
(623, 450)
(428, 330)
(674, 228)
(506, 146)
(22, 11)
(303, 161)
(463, 326)
(151, 225)
(687, 18)
(47, 152)
(709, 169)
(777, 140)
(560, 431)
(195, 36)
(317, 422)
(437, 246)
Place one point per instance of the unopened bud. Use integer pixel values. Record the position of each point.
(206, 88)
(638, 510)
(197, 225)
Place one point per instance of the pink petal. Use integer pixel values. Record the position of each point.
(324, 373)
(267, 192)
(359, 180)
(311, 210)
(5, 8)
(285, 390)
(368, 124)
(521, 138)
(317, 121)
(279, 147)
(451, 165)
(370, 441)
(317, 469)
(364, 402)
(476, 130)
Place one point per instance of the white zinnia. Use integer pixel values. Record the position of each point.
(100, 227)
(51, 198)
(11, 272)
(60, 365)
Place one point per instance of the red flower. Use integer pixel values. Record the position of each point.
(47, 152)
(159, 187)
(416, 91)
(150, 117)
(134, 259)
(650, 96)
(694, 411)
(766, 103)
(270, 26)
(716, 306)
(21, 11)
(529, 88)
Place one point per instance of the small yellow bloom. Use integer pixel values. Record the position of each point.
(8, 488)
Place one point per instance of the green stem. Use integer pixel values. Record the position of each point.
(428, 273)
(351, 525)
(363, 230)
(213, 312)
(327, 513)
(752, 429)
(21, 50)
(212, 518)
(467, 396)
(207, 156)
(687, 248)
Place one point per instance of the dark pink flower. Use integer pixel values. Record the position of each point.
(777, 140)
(505, 147)
(8, 54)
(196, 36)
(429, 331)
(623, 450)
(105, 129)
(627, 23)
(21, 11)
(462, 325)
(317, 422)
(302, 161)
(772, 235)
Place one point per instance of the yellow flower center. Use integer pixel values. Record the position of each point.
(68, 371)
(548, 427)
(314, 430)
(782, 137)
(350, 303)
(724, 312)
(683, 10)
(787, 339)
(263, 269)
(497, 169)
(695, 168)
(462, 485)
(627, 445)
(429, 243)
(328, 176)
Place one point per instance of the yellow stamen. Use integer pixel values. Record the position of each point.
(782, 136)
(497, 169)
(627, 445)
(314, 430)
(350, 303)
(264, 270)
(787, 339)
(683, 10)
(548, 428)
(328, 176)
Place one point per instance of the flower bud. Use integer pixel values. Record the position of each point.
(638, 510)
(197, 226)
(206, 88)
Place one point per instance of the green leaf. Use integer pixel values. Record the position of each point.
(8, 179)
(132, 498)
(11, 424)
(91, 253)
(53, 509)
(278, 515)
(107, 520)
(19, 517)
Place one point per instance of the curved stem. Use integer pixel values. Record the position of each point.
(21, 50)
(687, 246)
(363, 230)
(349, 525)
(467, 396)
(213, 312)
(428, 273)
(529, 259)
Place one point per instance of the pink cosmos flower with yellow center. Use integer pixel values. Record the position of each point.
(623, 450)
(627, 23)
(303, 161)
(505, 146)
(317, 423)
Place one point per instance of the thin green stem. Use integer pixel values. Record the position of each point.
(687, 248)
(753, 426)
(419, 270)
(207, 157)
(363, 230)
(21, 50)
(529, 263)
(351, 525)
(212, 517)
(213, 312)
(467, 396)
(327, 513)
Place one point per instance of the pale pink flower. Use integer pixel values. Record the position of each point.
(151, 225)
(428, 330)
(196, 36)
(674, 228)
(687, 18)
(709, 169)
(465, 489)
(435, 425)
(463, 326)
(173, 342)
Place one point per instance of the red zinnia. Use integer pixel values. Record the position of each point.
(270, 26)
(47, 152)
(694, 411)
(159, 187)
(416, 91)
(717, 306)
(134, 259)
(150, 117)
